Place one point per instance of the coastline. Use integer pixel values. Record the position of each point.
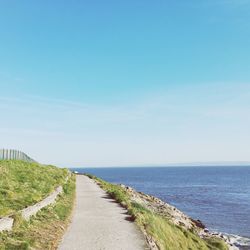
(163, 210)
(178, 217)
(218, 196)
(240, 242)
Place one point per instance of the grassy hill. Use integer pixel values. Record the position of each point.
(23, 184)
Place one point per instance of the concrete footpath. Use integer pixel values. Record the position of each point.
(99, 223)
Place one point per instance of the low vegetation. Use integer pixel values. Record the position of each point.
(44, 230)
(166, 235)
(23, 184)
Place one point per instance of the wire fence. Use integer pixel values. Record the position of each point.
(11, 154)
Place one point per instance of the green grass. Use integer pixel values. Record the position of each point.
(166, 235)
(45, 229)
(23, 184)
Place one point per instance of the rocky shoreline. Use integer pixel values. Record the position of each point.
(177, 217)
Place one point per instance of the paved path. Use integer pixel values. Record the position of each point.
(99, 223)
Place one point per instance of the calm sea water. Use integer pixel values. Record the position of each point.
(218, 196)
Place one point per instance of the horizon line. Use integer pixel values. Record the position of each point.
(191, 164)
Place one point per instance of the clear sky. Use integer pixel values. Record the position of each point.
(124, 83)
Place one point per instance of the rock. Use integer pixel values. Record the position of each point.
(198, 223)
(6, 223)
(129, 189)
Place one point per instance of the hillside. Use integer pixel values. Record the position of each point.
(23, 184)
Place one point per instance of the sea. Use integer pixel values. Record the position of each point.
(218, 196)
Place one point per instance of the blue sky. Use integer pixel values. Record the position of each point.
(118, 83)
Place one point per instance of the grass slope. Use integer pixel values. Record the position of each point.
(166, 235)
(23, 184)
(45, 229)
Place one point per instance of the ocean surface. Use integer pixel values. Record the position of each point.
(218, 196)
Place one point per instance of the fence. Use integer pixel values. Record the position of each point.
(11, 154)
